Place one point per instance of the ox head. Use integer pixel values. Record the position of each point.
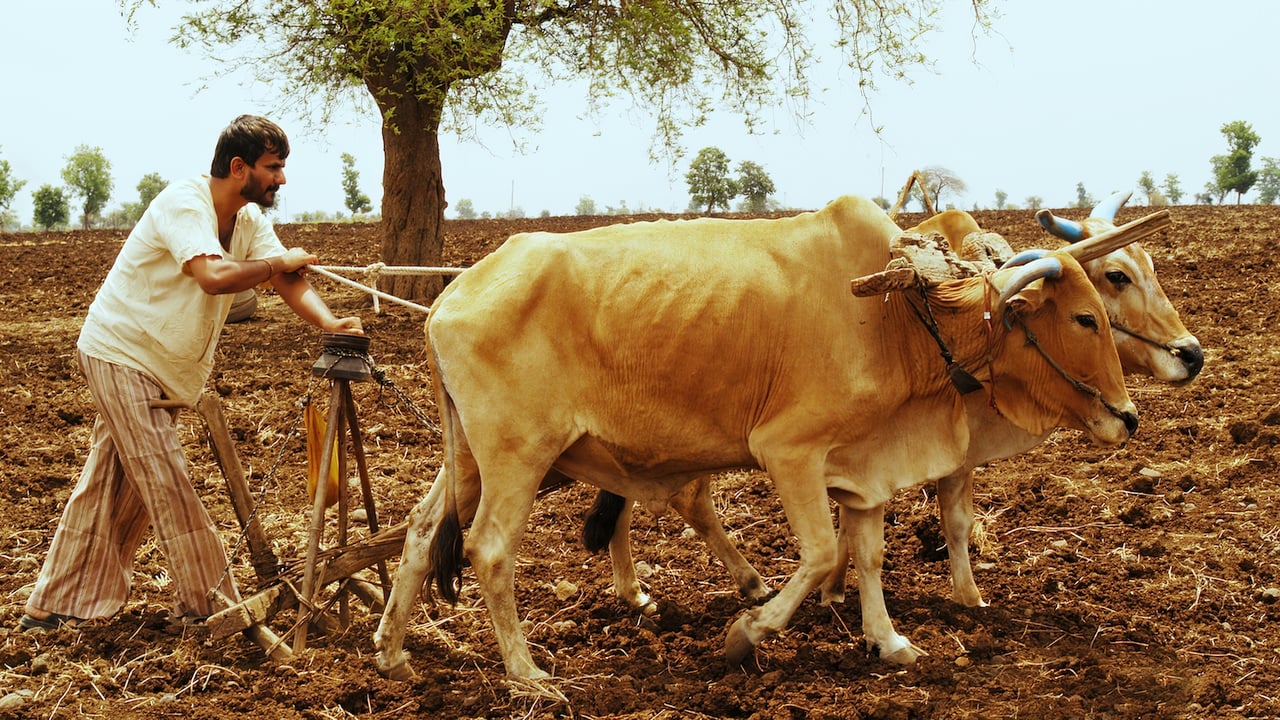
(1149, 334)
(1057, 365)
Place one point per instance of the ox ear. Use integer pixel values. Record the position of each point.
(1062, 228)
(1107, 209)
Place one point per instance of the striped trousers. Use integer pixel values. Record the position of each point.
(135, 477)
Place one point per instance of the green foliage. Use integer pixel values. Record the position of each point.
(1232, 172)
(88, 176)
(51, 208)
(1083, 198)
(585, 206)
(357, 202)
(465, 209)
(1001, 198)
(1033, 202)
(1172, 188)
(710, 186)
(755, 185)
(148, 188)
(1269, 181)
(883, 202)
(9, 187)
(1148, 185)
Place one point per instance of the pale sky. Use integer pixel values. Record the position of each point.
(1092, 91)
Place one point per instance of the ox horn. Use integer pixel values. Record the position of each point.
(1107, 209)
(1095, 247)
(1027, 274)
(1062, 228)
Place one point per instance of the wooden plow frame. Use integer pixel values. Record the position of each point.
(296, 584)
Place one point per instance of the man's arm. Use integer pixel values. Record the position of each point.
(219, 276)
(298, 294)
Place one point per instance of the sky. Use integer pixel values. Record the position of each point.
(1088, 91)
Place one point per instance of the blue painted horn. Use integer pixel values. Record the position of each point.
(1107, 209)
(1068, 230)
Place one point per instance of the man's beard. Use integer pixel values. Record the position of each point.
(255, 192)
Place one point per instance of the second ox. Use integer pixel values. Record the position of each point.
(638, 357)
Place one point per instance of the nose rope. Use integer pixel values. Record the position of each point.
(1176, 352)
(1078, 384)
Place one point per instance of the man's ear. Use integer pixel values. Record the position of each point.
(239, 168)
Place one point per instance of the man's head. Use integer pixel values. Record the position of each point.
(251, 139)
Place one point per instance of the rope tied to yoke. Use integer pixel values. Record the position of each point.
(372, 272)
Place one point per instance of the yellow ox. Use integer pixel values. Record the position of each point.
(640, 357)
(1149, 335)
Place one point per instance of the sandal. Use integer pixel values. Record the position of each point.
(53, 622)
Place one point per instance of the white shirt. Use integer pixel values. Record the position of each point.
(150, 313)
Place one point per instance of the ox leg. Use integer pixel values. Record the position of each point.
(625, 584)
(833, 588)
(415, 566)
(955, 510)
(499, 526)
(867, 527)
(694, 504)
(804, 499)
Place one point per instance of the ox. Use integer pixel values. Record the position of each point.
(639, 357)
(1150, 338)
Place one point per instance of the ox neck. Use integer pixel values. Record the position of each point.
(963, 381)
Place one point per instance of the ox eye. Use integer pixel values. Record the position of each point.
(1087, 320)
(1118, 278)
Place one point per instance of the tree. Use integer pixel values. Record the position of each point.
(1001, 197)
(1034, 202)
(710, 186)
(357, 202)
(88, 175)
(1232, 172)
(585, 206)
(1148, 185)
(1269, 181)
(50, 207)
(432, 65)
(938, 179)
(755, 185)
(148, 188)
(9, 187)
(1172, 188)
(465, 209)
(1083, 198)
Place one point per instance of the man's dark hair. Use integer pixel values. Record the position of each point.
(247, 138)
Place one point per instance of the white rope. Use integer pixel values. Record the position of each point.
(376, 269)
(375, 293)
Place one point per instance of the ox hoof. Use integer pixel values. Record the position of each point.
(904, 655)
(738, 645)
(830, 597)
(400, 672)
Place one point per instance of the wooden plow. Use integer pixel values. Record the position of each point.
(296, 584)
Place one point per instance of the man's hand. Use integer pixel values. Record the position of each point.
(295, 259)
(348, 325)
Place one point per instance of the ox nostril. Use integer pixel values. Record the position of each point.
(1191, 356)
(1130, 422)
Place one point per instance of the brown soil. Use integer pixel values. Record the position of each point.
(1139, 582)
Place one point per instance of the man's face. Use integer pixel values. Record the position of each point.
(263, 180)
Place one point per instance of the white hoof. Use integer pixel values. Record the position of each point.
(738, 645)
(901, 654)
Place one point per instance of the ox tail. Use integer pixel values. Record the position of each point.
(446, 556)
(601, 520)
(446, 543)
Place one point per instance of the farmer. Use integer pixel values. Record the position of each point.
(149, 336)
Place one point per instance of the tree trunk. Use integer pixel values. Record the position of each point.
(412, 196)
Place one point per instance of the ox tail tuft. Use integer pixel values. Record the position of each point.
(446, 556)
(601, 520)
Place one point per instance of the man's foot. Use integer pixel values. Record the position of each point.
(52, 622)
